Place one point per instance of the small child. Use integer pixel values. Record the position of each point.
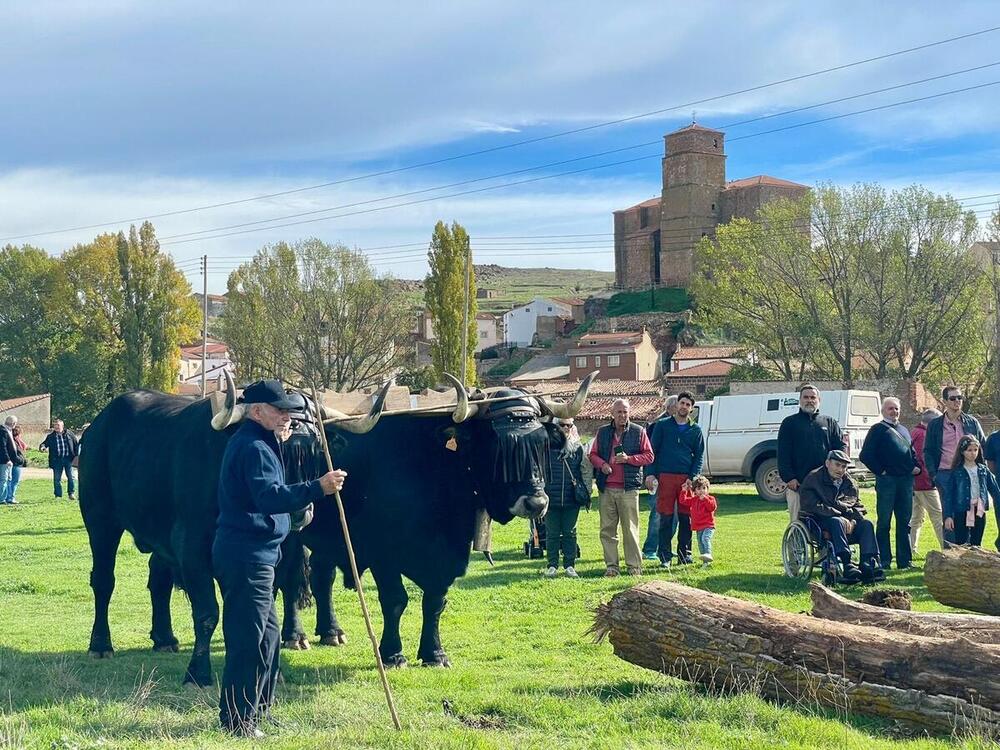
(703, 508)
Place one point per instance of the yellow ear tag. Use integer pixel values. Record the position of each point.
(452, 444)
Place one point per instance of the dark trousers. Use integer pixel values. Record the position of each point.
(652, 529)
(967, 535)
(560, 534)
(863, 535)
(250, 629)
(668, 505)
(894, 500)
(942, 480)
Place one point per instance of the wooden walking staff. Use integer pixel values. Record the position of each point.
(354, 567)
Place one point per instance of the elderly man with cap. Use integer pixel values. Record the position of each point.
(254, 508)
(830, 497)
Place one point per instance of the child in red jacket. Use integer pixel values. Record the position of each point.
(702, 508)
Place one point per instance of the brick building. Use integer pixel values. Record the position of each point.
(655, 239)
(628, 355)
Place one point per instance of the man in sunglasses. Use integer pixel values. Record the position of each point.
(942, 439)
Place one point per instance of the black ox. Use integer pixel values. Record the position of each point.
(415, 483)
(150, 466)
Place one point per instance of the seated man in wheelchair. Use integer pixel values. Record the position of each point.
(830, 497)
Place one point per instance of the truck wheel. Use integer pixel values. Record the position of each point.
(770, 486)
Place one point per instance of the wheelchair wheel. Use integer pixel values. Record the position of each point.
(797, 552)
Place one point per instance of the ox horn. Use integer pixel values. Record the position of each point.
(564, 410)
(463, 410)
(358, 425)
(226, 416)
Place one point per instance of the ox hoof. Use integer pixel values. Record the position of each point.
(336, 639)
(190, 681)
(95, 654)
(166, 648)
(396, 661)
(438, 659)
(299, 643)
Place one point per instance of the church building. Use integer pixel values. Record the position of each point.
(655, 240)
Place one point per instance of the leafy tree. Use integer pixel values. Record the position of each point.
(445, 294)
(317, 313)
(158, 312)
(417, 378)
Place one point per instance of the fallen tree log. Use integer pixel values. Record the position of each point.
(830, 605)
(726, 644)
(964, 577)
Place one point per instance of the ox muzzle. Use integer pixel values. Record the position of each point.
(530, 506)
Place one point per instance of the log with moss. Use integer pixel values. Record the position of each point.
(725, 644)
(964, 577)
(832, 606)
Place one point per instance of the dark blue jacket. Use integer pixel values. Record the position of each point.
(559, 483)
(676, 451)
(935, 435)
(960, 496)
(254, 501)
(887, 451)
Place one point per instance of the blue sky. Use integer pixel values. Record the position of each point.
(116, 110)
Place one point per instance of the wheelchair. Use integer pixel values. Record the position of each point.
(804, 548)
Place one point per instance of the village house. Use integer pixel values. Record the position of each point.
(34, 415)
(686, 357)
(545, 316)
(488, 331)
(217, 361)
(628, 355)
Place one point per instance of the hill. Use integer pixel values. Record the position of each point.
(517, 285)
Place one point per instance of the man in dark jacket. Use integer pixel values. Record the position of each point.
(804, 440)
(830, 497)
(888, 454)
(254, 507)
(679, 450)
(618, 453)
(942, 439)
(9, 457)
(62, 447)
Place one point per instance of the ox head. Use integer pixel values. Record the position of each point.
(508, 441)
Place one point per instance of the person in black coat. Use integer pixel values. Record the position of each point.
(62, 447)
(888, 454)
(254, 508)
(804, 440)
(568, 491)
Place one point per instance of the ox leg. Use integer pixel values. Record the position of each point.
(161, 586)
(200, 586)
(104, 540)
(393, 598)
(289, 579)
(431, 653)
(322, 573)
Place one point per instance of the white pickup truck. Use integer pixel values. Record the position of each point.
(741, 433)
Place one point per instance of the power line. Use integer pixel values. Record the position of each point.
(578, 171)
(523, 142)
(630, 147)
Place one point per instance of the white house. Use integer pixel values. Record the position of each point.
(521, 323)
(486, 331)
(217, 360)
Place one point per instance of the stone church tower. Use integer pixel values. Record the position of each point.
(655, 240)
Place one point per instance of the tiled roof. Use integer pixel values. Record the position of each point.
(707, 352)
(8, 404)
(762, 179)
(188, 352)
(707, 370)
(645, 204)
(485, 316)
(622, 337)
(569, 300)
(696, 126)
(643, 408)
(610, 387)
(542, 367)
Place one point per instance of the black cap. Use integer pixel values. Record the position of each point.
(270, 392)
(838, 456)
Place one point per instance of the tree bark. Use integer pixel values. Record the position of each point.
(830, 605)
(964, 577)
(725, 644)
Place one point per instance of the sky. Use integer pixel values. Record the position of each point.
(115, 110)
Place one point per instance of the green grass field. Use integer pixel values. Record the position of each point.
(526, 675)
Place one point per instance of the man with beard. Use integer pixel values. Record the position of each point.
(804, 440)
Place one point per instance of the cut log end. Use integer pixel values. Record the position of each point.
(964, 577)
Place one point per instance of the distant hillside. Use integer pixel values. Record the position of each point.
(517, 285)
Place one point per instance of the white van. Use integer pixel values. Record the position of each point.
(741, 433)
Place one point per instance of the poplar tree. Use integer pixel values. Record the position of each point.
(445, 294)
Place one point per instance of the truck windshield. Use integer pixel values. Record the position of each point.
(865, 406)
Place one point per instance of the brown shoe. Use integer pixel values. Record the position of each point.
(633, 571)
(611, 573)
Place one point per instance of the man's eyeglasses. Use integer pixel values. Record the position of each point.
(956, 398)
(566, 427)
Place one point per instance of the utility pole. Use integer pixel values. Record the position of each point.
(465, 317)
(204, 323)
